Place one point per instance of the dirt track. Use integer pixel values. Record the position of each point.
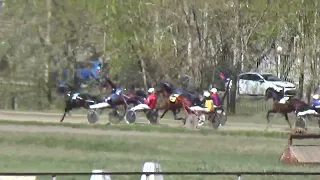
(54, 117)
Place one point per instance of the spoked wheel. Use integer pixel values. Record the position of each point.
(191, 121)
(222, 115)
(114, 117)
(201, 120)
(92, 116)
(214, 120)
(301, 122)
(130, 117)
(152, 116)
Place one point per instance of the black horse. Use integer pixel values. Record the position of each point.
(76, 100)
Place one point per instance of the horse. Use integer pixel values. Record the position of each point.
(291, 105)
(119, 97)
(75, 100)
(172, 102)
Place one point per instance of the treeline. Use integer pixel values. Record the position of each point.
(145, 41)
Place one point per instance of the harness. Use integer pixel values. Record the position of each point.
(173, 97)
(114, 94)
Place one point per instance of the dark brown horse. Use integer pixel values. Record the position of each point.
(291, 105)
(172, 101)
(120, 96)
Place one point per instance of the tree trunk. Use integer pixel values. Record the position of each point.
(301, 54)
(236, 59)
(142, 64)
(48, 43)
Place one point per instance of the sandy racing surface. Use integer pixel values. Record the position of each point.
(55, 117)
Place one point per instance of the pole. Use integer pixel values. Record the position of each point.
(279, 65)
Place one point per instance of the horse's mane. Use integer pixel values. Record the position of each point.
(168, 87)
(141, 93)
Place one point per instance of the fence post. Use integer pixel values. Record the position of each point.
(13, 101)
(54, 177)
(239, 176)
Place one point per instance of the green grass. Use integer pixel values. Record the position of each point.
(154, 128)
(31, 152)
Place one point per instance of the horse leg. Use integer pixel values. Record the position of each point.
(164, 112)
(64, 114)
(287, 119)
(174, 111)
(268, 114)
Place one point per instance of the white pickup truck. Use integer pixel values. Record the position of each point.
(256, 84)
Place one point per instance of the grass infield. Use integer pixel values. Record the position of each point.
(69, 150)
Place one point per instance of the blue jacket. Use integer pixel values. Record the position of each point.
(87, 74)
(114, 93)
(315, 103)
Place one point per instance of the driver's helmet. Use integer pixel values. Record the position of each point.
(206, 94)
(214, 90)
(316, 97)
(151, 90)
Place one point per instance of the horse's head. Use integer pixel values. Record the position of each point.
(140, 93)
(65, 88)
(164, 88)
(104, 83)
(272, 94)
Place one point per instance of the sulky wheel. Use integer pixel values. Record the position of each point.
(214, 120)
(201, 120)
(152, 116)
(191, 121)
(114, 117)
(92, 116)
(300, 122)
(130, 117)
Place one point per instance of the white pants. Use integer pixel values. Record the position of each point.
(307, 112)
(198, 108)
(99, 105)
(140, 107)
(283, 100)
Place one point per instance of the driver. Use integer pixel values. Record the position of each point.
(315, 108)
(215, 97)
(207, 102)
(150, 101)
(316, 102)
(284, 98)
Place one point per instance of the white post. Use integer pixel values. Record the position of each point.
(239, 177)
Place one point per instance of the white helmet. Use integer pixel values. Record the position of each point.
(214, 90)
(316, 96)
(150, 90)
(206, 94)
